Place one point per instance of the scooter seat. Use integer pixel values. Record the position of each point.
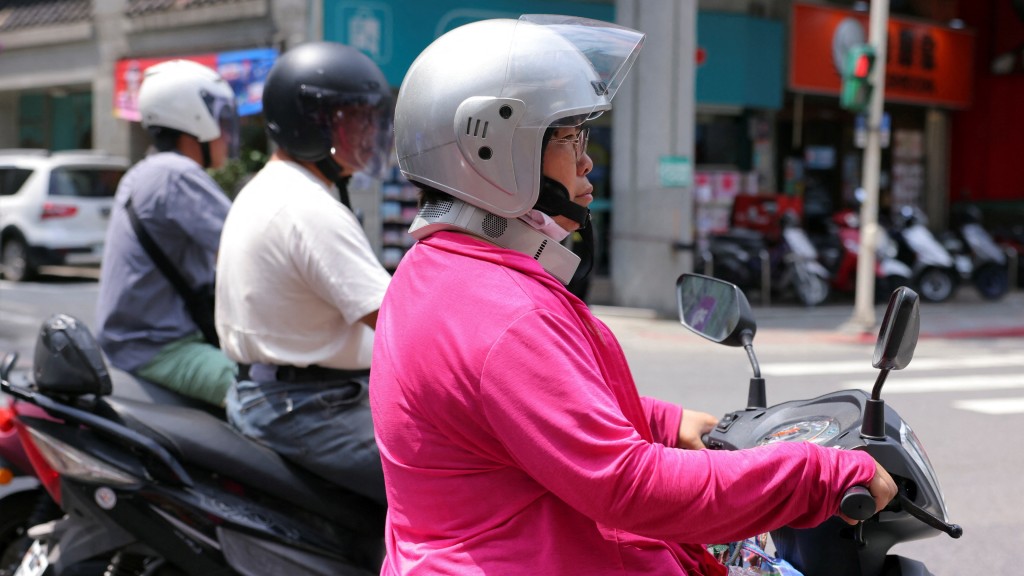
(202, 440)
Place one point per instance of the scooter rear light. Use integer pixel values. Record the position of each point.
(66, 460)
(48, 477)
(6, 421)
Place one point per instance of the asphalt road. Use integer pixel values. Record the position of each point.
(963, 393)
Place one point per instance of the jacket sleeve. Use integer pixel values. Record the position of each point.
(664, 418)
(560, 423)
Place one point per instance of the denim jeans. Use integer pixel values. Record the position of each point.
(325, 427)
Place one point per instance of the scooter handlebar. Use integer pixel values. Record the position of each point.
(858, 503)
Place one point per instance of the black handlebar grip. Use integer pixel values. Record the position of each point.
(858, 503)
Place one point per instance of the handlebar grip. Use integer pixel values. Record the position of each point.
(858, 503)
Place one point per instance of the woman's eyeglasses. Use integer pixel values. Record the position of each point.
(579, 142)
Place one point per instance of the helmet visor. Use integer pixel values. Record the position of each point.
(362, 133)
(578, 61)
(223, 111)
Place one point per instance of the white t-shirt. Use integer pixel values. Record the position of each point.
(295, 274)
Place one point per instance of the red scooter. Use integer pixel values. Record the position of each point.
(841, 252)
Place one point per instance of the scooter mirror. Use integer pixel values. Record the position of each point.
(897, 337)
(715, 309)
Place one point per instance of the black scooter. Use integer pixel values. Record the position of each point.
(849, 420)
(156, 489)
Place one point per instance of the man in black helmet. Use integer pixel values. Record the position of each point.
(301, 285)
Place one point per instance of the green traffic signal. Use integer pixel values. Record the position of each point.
(857, 82)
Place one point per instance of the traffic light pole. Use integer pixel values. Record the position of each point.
(863, 319)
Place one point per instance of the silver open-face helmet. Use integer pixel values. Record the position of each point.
(473, 108)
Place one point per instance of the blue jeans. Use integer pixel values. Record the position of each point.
(325, 427)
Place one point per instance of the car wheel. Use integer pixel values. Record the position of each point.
(14, 260)
(936, 284)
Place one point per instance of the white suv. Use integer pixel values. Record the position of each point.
(54, 208)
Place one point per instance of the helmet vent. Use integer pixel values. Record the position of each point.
(436, 209)
(473, 127)
(494, 226)
(540, 250)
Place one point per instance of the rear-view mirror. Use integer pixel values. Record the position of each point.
(715, 309)
(898, 334)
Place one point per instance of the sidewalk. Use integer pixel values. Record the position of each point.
(966, 315)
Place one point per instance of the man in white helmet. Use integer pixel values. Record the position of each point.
(167, 208)
(512, 436)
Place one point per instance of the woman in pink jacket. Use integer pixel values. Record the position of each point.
(512, 435)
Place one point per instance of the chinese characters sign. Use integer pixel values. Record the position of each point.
(925, 64)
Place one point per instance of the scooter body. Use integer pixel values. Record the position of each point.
(979, 260)
(890, 272)
(162, 489)
(846, 420)
(935, 273)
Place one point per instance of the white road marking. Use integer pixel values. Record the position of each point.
(971, 383)
(853, 367)
(998, 406)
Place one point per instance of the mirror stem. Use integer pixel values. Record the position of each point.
(873, 427)
(756, 396)
(876, 392)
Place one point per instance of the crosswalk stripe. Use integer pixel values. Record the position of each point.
(996, 406)
(853, 367)
(896, 385)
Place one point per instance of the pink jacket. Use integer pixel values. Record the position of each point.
(514, 440)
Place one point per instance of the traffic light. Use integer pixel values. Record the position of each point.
(857, 86)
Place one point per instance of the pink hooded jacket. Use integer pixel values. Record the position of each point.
(514, 441)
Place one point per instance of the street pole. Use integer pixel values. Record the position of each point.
(863, 319)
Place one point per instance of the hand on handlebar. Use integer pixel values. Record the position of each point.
(694, 425)
(882, 489)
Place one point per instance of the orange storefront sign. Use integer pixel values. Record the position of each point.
(925, 63)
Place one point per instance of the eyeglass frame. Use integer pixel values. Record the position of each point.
(579, 142)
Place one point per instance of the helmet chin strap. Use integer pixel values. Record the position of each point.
(554, 200)
(511, 233)
(329, 168)
(207, 159)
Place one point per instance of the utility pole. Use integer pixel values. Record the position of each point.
(863, 319)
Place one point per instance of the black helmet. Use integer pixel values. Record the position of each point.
(314, 92)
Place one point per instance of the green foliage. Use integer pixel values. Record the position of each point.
(236, 172)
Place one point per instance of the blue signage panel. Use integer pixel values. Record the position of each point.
(394, 32)
(743, 60)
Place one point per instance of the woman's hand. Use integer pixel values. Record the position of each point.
(882, 488)
(694, 425)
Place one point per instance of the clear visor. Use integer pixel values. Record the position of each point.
(579, 62)
(362, 133)
(223, 111)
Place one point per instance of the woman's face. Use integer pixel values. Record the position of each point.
(566, 161)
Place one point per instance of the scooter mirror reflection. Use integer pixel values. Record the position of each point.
(715, 309)
(898, 334)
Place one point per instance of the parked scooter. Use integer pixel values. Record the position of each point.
(849, 420)
(789, 265)
(160, 489)
(935, 274)
(978, 258)
(840, 250)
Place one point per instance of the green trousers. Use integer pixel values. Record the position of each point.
(193, 368)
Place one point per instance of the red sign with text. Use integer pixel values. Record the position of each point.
(925, 63)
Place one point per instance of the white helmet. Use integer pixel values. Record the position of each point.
(473, 108)
(188, 97)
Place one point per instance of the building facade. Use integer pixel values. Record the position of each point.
(729, 98)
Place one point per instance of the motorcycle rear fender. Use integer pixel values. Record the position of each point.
(81, 534)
